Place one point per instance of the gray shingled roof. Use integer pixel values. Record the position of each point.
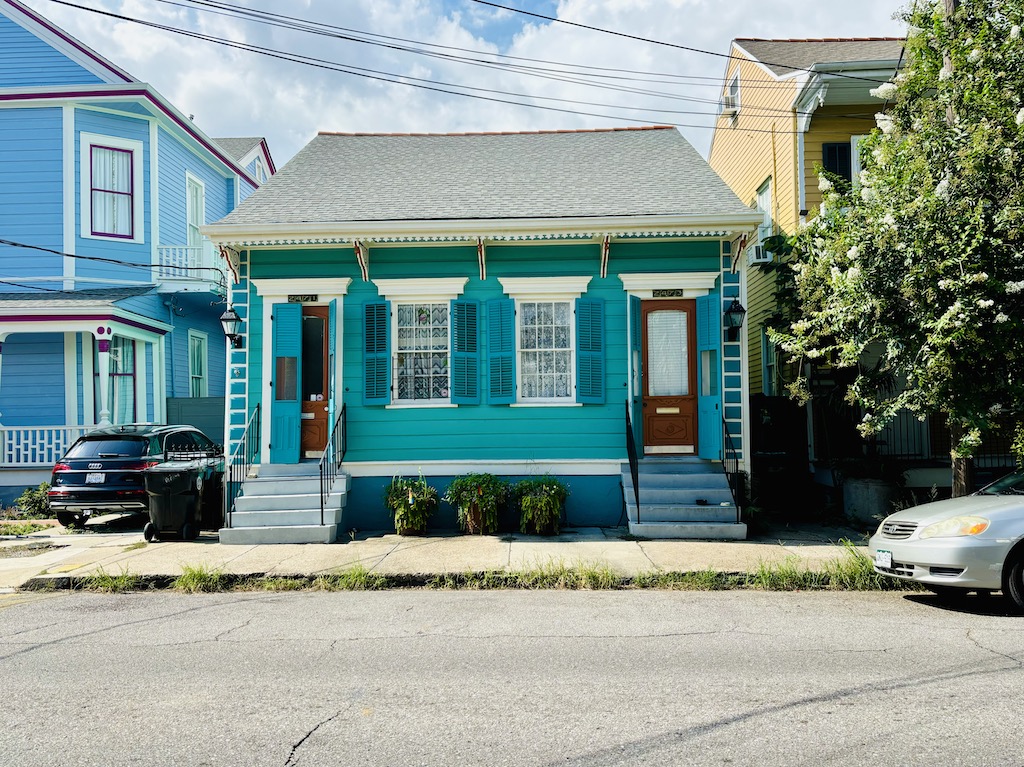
(419, 177)
(238, 148)
(786, 56)
(48, 299)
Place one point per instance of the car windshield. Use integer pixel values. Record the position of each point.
(109, 447)
(1011, 484)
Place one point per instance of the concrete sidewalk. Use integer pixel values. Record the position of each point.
(60, 555)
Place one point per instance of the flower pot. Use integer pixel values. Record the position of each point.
(474, 519)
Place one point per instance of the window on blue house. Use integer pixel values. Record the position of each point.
(121, 391)
(421, 355)
(111, 188)
(197, 363)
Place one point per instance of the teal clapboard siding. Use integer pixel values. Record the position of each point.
(25, 60)
(31, 194)
(486, 431)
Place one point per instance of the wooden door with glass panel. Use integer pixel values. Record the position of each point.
(669, 375)
(315, 404)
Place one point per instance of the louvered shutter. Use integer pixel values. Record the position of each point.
(376, 354)
(465, 368)
(590, 365)
(501, 352)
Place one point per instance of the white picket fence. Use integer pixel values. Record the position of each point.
(25, 447)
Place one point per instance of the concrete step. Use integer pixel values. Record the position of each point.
(685, 465)
(296, 517)
(679, 513)
(253, 502)
(251, 536)
(282, 486)
(716, 531)
(304, 469)
(680, 496)
(718, 480)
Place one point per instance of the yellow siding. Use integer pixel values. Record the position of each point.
(760, 144)
(831, 124)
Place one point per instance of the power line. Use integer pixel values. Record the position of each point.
(422, 83)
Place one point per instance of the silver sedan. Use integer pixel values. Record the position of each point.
(951, 547)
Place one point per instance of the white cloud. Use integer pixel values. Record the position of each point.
(233, 93)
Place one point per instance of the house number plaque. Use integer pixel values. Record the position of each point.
(669, 293)
(308, 299)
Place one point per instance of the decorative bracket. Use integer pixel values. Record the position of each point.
(231, 256)
(605, 248)
(363, 257)
(481, 257)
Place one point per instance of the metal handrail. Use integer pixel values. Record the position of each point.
(330, 462)
(634, 462)
(241, 460)
(731, 464)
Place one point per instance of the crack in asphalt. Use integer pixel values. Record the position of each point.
(223, 634)
(293, 756)
(971, 638)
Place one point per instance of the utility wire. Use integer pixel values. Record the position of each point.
(422, 83)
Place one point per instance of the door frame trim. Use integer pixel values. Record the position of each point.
(277, 291)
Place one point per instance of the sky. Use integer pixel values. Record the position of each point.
(231, 92)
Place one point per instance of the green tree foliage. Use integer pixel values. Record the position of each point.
(913, 276)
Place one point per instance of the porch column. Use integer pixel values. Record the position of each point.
(103, 347)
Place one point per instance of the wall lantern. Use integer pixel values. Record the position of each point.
(734, 319)
(232, 325)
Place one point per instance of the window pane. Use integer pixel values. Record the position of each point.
(545, 349)
(421, 351)
(668, 355)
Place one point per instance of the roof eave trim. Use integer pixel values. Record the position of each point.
(470, 229)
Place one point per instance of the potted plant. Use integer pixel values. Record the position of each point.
(412, 501)
(540, 500)
(477, 498)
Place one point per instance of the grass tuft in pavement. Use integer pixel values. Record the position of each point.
(113, 583)
(200, 579)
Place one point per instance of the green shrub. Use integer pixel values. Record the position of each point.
(477, 499)
(34, 503)
(412, 502)
(540, 500)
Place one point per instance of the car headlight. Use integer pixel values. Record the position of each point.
(956, 527)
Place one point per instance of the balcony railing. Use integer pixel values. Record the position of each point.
(192, 263)
(27, 447)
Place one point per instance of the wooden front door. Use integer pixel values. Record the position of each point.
(315, 398)
(670, 376)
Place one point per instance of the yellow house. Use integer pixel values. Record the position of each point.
(788, 107)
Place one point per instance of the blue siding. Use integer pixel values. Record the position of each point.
(32, 384)
(134, 253)
(31, 193)
(193, 311)
(27, 60)
(175, 160)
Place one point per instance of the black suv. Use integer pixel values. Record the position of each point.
(101, 472)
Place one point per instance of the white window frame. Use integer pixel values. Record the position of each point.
(731, 97)
(194, 181)
(260, 171)
(763, 203)
(86, 143)
(205, 377)
(545, 290)
(769, 365)
(437, 290)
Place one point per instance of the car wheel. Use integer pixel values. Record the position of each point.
(149, 532)
(1013, 586)
(68, 519)
(189, 532)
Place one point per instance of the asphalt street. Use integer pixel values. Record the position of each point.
(510, 677)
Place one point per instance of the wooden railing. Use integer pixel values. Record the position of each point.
(25, 447)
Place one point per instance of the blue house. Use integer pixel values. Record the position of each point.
(512, 303)
(110, 296)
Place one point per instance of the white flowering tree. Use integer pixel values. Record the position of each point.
(913, 276)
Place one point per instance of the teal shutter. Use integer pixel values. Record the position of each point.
(376, 354)
(465, 368)
(709, 390)
(590, 351)
(501, 351)
(286, 383)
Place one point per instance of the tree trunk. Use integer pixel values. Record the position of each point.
(963, 466)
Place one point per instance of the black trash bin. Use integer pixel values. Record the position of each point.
(176, 496)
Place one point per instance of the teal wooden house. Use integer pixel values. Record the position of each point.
(110, 297)
(515, 303)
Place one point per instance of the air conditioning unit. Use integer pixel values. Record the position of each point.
(758, 255)
(729, 110)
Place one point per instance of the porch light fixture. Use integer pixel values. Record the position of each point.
(232, 324)
(734, 319)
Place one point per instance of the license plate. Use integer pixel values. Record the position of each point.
(883, 559)
(95, 478)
